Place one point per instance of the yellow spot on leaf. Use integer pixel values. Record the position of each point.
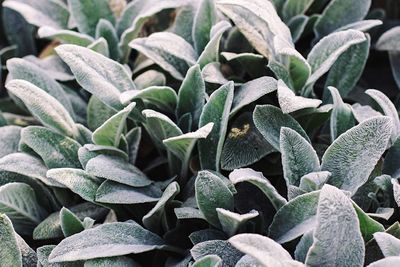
(237, 132)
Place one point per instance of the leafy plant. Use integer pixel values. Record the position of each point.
(199, 133)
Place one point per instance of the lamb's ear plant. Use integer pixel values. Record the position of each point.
(199, 133)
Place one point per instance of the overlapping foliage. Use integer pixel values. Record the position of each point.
(198, 133)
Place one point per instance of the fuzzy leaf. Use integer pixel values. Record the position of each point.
(353, 155)
(9, 139)
(10, 254)
(205, 18)
(70, 223)
(221, 248)
(292, 8)
(231, 221)
(65, 36)
(388, 244)
(120, 261)
(341, 116)
(106, 30)
(289, 102)
(208, 261)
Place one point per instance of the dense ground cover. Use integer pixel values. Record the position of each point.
(200, 133)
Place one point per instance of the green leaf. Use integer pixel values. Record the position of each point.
(116, 169)
(110, 132)
(50, 228)
(78, 181)
(191, 94)
(217, 111)
(56, 150)
(341, 116)
(231, 221)
(70, 223)
(339, 13)
(205, 18)
(389, 245)
(289, 102)
(87, 14)
(208, 261)
(353, 155)
(9, 139)
(170, 51)
(269, 120)
(303, 246)
(154, 219)
(163, 97)
(212, 193)
(368, 226)
(44, 107)
(298, 156)
(65, 36)
(120, 261)
(18, 201)
(295, 218)
(326, 52)
(116, 193)
(100, 46)
(337, 230)
(54, 66)
(106, 30)
(292, 8)
(107, 240)
(265, 250)
(10, 254)
(29, 257)
(24, 70)
(97, 113)
(297, 25)
(221, 248)
(150, 78)
(314, 181)
(258, 179)
(97, 74)
(42, 12)
(348, 68)
(388, 109)
(251, 91)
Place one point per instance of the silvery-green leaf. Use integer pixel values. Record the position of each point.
(100, 76)
(18, 201)
(368, 226)
(247, 260)
(100, 46)
(70, 223)
(10, 254)
(237, 155)
(54, 67)
(341, 116)
(116, 193)
(184, 21)
(133, 137)
(188, 213)
(106, 30)
(154, 218)
(97, 113)
(303, 246)
(339, 13)
(251, 91)
(206, 235)
(107, 150)
(264, 25)
(389, 40)
(9, 139)
(325, 53)
(362, 113)
(43, 106)
(78, 181)
(150, 78)
(289, 102)
(388, 109)
(65, 36)
(396, 191)
(204, 19)
(43, 253)
(221, 248)
(191, 94)
(50, 227)
(109, 133)
(208, 261)
(232, 221)
(263, 249)
(386, 262)
(107, 240)
(212, 73)
(295, 218)
(24, 70)
(29, 257)
(362, 25)
(314, 181)
(55, 149)
(211, 51)
(120, 261)
(269, 120)
(212, 193)
(258, 179)
(391, 163)
(389, 245)
(337, 230)
(298, 156)
(42, 12)
(87, 14)
(163, 97)
(168, 50)
(382, 213)
(292, 8)
(354, 154)
(297, 26)
(216, 110)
